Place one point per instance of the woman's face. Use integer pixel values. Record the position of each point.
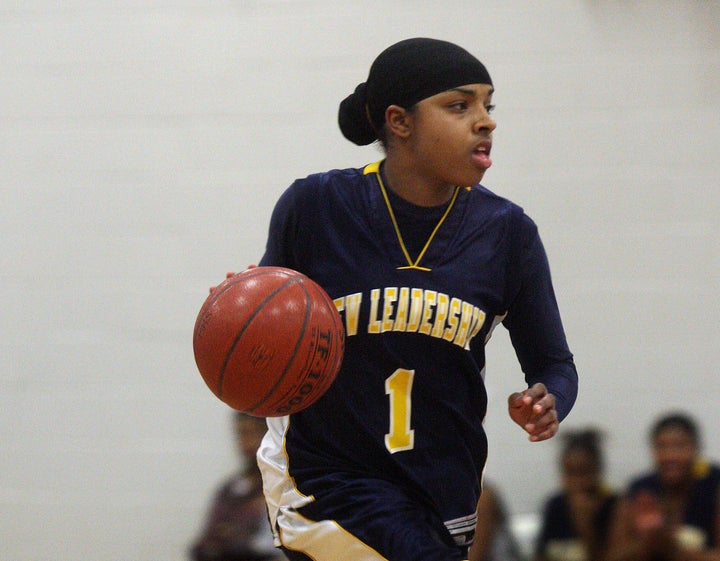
(451, 135)
(580, 472)
(249, 432)
(675, 452)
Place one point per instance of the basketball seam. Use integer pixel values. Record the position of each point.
(291, 360)
(232, 281)
(258, 309)
(256, 312)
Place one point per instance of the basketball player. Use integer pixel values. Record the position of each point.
(422, 262)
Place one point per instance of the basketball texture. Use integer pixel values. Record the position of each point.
(268, 341)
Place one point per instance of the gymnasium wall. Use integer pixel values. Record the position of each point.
(143, 145)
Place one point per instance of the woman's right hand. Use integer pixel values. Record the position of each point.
(230, 274)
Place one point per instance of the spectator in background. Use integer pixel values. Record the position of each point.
(237, 526)
(671, 513)
(494, 538)
(575, 521)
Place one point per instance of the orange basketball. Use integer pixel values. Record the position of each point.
(268, 341)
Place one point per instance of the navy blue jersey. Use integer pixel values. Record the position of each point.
(560, 539)
(418, 305)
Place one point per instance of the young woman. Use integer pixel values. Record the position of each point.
(576, 520)
(422, 263)
(673, 512)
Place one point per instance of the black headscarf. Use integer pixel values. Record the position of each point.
(403, 74)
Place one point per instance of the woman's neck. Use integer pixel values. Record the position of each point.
(405, 182)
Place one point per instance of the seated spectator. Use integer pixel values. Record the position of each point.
(494, 539)
(670, 513)
(237, 526)
(576, 519)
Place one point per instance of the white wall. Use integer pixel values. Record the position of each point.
(143, 144)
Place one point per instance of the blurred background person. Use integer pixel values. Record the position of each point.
(494, 539)
(575, 520)
(670, 513)
(237, 527)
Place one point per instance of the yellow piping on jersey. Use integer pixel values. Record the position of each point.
(700, 468)
(375, 168)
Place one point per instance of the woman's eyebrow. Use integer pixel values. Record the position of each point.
(470, 92)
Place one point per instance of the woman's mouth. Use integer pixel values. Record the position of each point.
(481, 154)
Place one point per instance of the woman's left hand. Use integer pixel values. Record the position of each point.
(534, 410)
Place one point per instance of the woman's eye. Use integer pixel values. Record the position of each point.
(459, 105)
(490, 108)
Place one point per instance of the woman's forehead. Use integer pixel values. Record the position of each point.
(481, 91)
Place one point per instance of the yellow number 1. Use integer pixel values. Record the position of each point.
(399, 386)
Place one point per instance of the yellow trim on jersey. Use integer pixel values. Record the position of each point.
(375, 168)
(701, 468)
(372, 168)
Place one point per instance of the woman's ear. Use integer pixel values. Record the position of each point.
(398, 121)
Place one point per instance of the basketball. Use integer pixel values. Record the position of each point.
(268, 341)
